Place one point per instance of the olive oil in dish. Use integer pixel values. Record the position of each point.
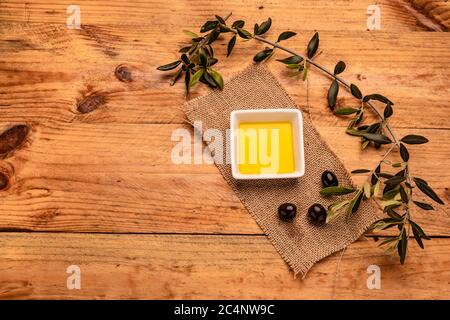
(266, 147)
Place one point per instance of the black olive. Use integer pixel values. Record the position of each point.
(287, 211)
(329, 179)
(317, 214)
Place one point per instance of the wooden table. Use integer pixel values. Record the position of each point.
(99, 190)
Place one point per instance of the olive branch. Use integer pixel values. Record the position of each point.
(393, 192)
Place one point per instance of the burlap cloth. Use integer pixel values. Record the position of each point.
(300, 243)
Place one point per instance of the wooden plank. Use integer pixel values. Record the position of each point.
(435, 14)
(120, 178)
(309, 14)
(49, 70)
(109, 170)
(208, 267)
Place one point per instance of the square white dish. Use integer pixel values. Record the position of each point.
(268, 115)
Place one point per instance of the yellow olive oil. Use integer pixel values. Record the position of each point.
(265, 147)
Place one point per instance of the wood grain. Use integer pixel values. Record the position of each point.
(433, 14)
(50, 84)
(208, 267)
(121, 178)
(164, 15)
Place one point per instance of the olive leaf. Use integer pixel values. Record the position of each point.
(313, 45)
(367, 189)
(345, 111)
(196, 77)
(208, 80)
(220, 19)
(384, 224)
(377, 137)
(305, 73)
(377, 97)
(394, 181)
(409, 185)
(393, 214)
(355, 202)
(217, 78)
(185, 59)
(386, 204)
(198, 39)
(212, 61)
(355, 132)
(264, 27)
(209, 50)
(403, 195)
(365, 144)
(388, 240)
(187, 80)
(376, 189)
(295, 66)
(291, 60)
(185, 49)
(388, 111)
(285, 35)
(190, 34)
(334, 209)
(224, 29)
(390, 190)
(262, 55)
(358, 118)
(420, 180)
(419, 229)
(230, 45)
(355, 91)
(193, 48)
(401, 173)
(389, 193)
(238, 24)
(373, 128)
(414, 139)
(424, 206)
(360, 171)
(393, 247)
(332, 94)
(418, 233)
(417, 236)
(176, 77)
(203, 57)
(404, 152)
(339, 68)
(244, 33)
(209, 25)
(255, 28)
(374, 178)
(403, 246)
(335, 191)
(426, 189)
(385, 175)
(213, 36)
(169, 66)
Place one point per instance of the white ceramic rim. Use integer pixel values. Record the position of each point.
(299, 163)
